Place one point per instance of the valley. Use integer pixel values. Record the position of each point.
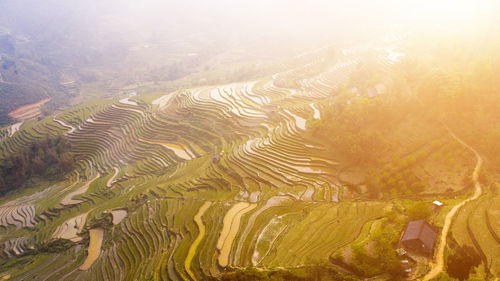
(272, 174)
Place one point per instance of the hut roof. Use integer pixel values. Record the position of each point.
(422, 231)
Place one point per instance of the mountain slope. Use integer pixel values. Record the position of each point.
(201, 181)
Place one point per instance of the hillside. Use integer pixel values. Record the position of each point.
(78, 61)
(313, 171)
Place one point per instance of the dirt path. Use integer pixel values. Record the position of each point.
(437, 266)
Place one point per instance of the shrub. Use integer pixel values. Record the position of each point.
(48, 158)
(461, 260)
(419, 211)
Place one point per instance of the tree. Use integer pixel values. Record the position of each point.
(443, 277)
(461, 260)
(48, 158)
(37, 166)
(478, 273)
(419, 211)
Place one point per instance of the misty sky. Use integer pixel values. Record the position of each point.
(271, 16)
(257, 24)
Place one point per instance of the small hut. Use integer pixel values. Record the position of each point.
(419, 236)
(216, 158)
(436, 205)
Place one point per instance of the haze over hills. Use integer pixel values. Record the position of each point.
(264, 140)
(71, 52)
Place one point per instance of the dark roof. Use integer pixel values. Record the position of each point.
(216, 158)
(428, 236)
(421, 230)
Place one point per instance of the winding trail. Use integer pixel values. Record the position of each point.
(194, 246)
(437, 266)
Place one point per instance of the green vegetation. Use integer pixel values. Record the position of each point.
(319, 272)
(461, 260)
(324, 197)
(48, 159)
(419, 211)
(375, 253)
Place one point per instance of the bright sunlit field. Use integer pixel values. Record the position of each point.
(249, 140)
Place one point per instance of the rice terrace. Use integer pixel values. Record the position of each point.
(374, 158)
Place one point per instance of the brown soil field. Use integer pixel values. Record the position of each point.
(28, 111)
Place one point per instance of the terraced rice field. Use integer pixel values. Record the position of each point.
(111, 180)
(14, 128)
(194, 246)
(68, 199)
(230, 229)
(118, 216)
(476, 227)
(62, 123)
(197, 182)
(94, 250)
(71, 228)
